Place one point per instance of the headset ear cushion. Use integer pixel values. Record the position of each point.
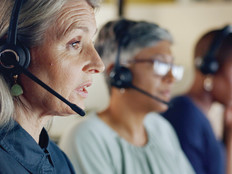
(10, 53)
(24, 56)
(121, 77)
(209, 67)
(209, 64)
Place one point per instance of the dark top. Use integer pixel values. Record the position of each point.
(19, 153)
(205, 152)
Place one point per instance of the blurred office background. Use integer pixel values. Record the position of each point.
(186, 20)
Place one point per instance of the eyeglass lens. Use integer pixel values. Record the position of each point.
(162, 69)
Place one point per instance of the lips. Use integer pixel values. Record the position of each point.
(82, 91)
(166, 94)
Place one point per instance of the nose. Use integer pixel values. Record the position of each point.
(169, 78)
(94, 63)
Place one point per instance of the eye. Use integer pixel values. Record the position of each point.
(161, 68)
(75, 44)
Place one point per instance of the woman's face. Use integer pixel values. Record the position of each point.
(65, 61)
(222, 83)
(145, 77)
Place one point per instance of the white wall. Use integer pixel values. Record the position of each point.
(186, 22)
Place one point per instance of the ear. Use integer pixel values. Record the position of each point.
(109, 69)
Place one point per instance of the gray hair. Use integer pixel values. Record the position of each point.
(35, 18)
(132, 36)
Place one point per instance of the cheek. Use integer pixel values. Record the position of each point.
(56, 68)
(222, 90)
(144, 77)
(149, 83)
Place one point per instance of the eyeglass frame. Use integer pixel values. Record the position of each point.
(171, 65)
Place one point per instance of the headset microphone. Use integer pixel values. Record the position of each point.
(15, 58)
(38, 81)
(149, 95)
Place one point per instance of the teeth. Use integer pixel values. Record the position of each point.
(82, 89)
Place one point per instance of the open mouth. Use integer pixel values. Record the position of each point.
(82, 91)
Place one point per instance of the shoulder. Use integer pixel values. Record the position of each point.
(89, 141)
(89, 132)
(181, 104)
(59, 158)
(155, 120)
(189, 122)
(161, 133)
(183, 112)
(6, 159)
(92, 125)
(158, 125)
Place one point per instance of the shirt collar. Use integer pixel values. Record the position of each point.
(20, 145)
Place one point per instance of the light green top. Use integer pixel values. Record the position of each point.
(94, 148)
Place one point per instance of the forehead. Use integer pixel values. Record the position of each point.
(76, 14)
(161, 48)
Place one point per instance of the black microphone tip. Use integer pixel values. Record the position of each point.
(77, 109)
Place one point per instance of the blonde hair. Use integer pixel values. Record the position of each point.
(34, 19)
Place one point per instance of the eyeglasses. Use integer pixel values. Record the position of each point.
(161, 68)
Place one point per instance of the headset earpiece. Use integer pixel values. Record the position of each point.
(209, 64)
(13, 55)
(208, 67)
(121, 77)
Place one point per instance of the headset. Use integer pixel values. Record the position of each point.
(121, 76)
(209, 64)
(15, 57)
(12, 52)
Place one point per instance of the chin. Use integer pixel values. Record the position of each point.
(79, 101)
(162, 108)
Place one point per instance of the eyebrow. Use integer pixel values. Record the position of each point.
(71, 28)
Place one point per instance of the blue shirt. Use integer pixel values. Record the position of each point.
(205, 152)
(19, 153)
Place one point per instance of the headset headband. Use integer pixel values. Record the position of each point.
(12, 32)
(209, 64)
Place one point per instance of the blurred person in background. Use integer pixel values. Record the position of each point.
(54, 42)
(130, 137)
(212, 83)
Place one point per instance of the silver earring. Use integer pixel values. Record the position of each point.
(208, 83)
(122, 90)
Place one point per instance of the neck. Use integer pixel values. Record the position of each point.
(201, 98)
(126, 120)
(30, 120)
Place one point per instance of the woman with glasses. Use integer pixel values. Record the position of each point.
(129, 137)
(212, 83)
